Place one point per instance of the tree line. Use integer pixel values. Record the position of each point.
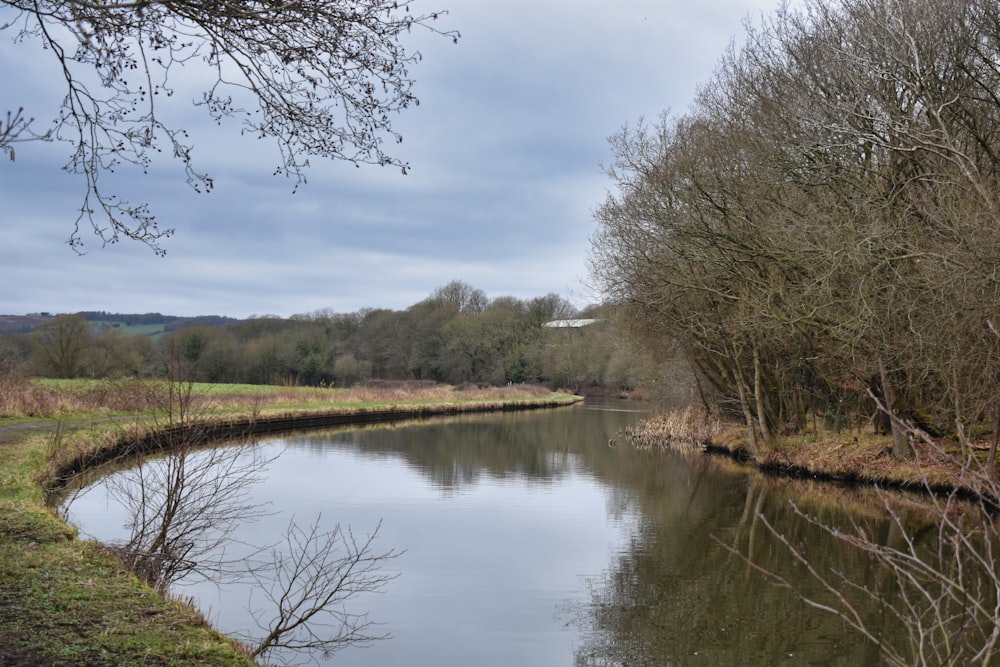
(818, 234)
(455, 335)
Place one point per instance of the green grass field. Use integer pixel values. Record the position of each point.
(152, 330)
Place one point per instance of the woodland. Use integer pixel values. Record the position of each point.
(818, 234)
(456, 335)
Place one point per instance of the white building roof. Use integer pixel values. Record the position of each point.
(567, 324)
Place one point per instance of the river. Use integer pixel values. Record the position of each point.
(534, 539)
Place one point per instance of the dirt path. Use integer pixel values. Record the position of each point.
(10, 432)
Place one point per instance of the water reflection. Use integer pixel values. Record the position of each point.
(528, 540)
(675, 596)
(463, 453)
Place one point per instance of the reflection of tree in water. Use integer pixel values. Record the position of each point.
(466, 451)
(937, 587)
(462, 450)
(311, 580)
(674, 595)
(181, 512)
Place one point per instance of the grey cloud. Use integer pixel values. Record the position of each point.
(505, 148)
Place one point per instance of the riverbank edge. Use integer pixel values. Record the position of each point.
(871, 463)
(206, 430)
(65, 619)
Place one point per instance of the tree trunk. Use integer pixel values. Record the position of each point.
(758, 390)
(991, 459)
(900, 441)
(745, 403)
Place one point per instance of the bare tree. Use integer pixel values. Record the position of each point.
(312, 577)
(823, 220)
(320, 77)
(112, 354)
(182, 509)
(60, 345)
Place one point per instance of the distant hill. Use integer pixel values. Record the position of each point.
(150, 324)
(17, 324)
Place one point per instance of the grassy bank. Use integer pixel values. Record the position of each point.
(64, 601)
(847, 455)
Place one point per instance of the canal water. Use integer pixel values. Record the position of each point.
(535, 538)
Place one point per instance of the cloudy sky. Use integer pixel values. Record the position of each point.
(506, 149)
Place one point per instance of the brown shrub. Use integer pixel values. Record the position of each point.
(692, 427)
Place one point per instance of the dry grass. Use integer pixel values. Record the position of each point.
(867, 457)
(21, 398)
(25, 398)
(854, 457)
(430, 391)
(691, 428)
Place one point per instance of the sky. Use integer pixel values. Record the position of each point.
(506, 151)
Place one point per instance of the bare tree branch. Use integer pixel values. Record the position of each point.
(182, 509)
(320, 78)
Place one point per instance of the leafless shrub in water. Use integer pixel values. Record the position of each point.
(693, 427)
